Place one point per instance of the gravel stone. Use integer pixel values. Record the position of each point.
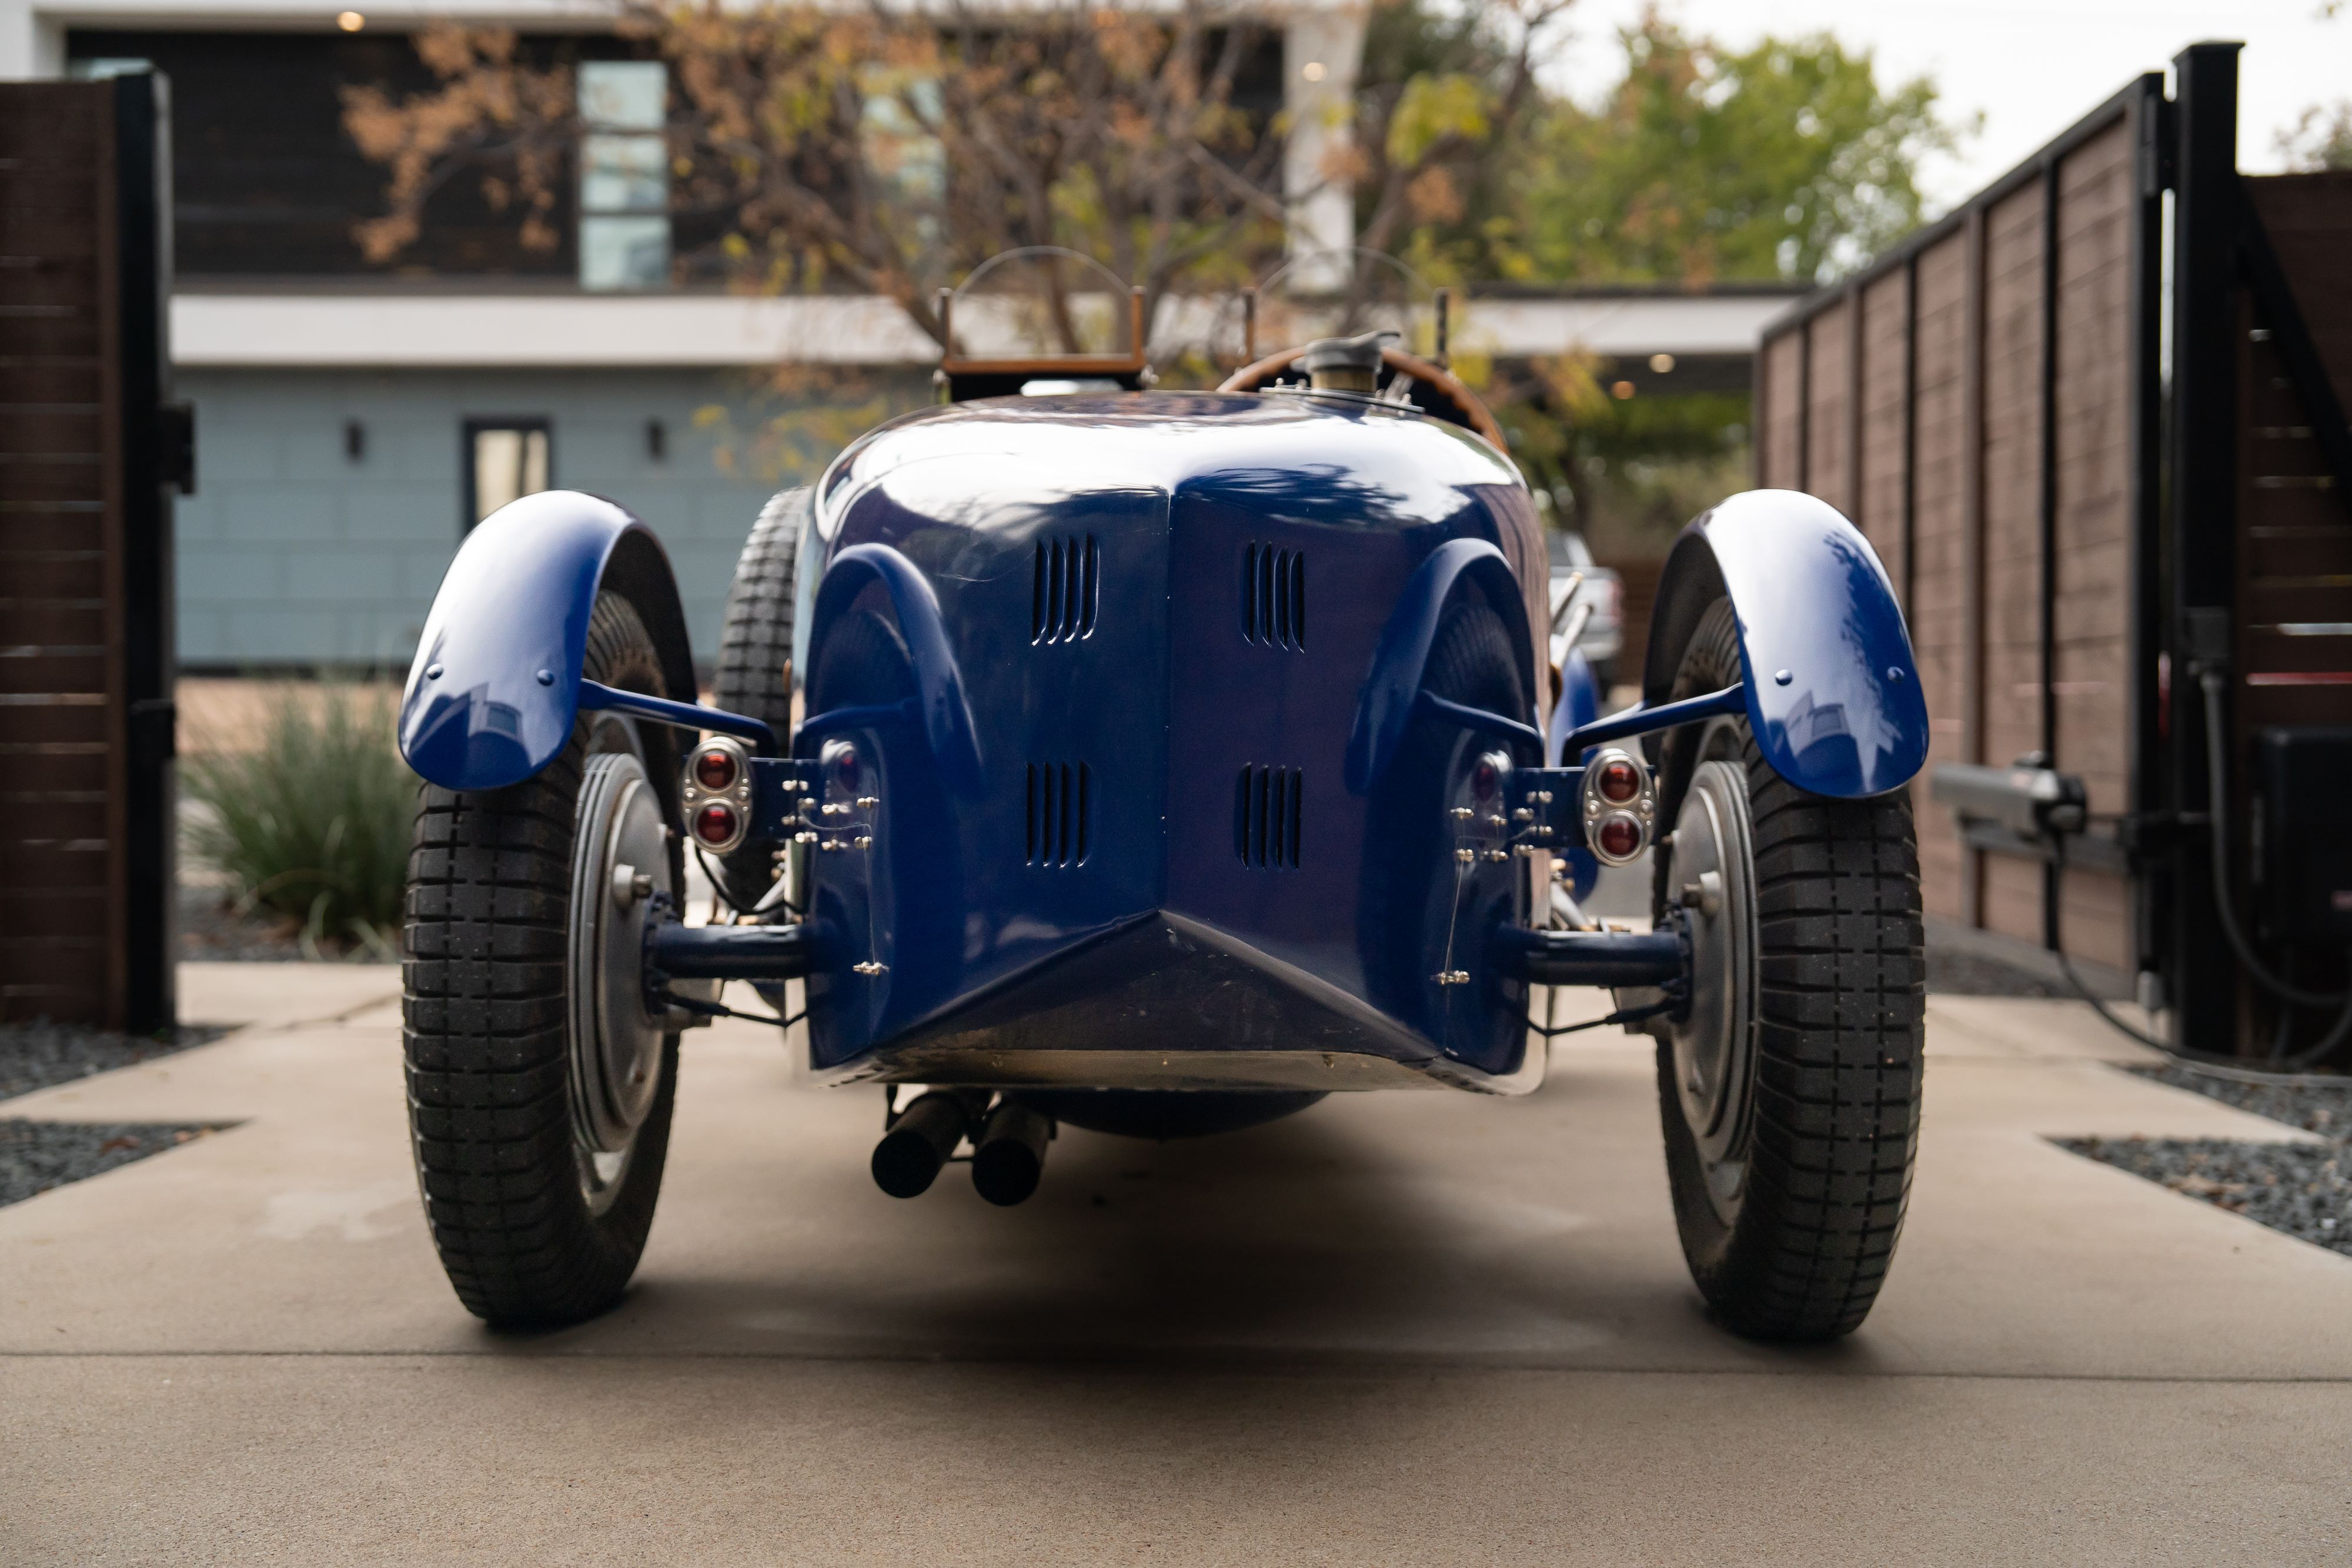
(212, 930)
(36, 1157)
(1958, 974)
(2304, 1190)
(35, 1055)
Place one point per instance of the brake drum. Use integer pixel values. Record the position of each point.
(620, 864)
(1713, 1043)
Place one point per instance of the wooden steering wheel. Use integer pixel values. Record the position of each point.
(1433, 388)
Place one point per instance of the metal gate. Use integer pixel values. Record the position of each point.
(90, 450)
(2092, 422)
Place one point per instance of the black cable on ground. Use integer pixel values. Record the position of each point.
(2203, 1061)
(2217, 771)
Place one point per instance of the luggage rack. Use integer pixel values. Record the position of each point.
(960, 378)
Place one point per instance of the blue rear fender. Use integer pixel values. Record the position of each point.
(1384, 708)
(495, 686)
(945, 712)
(1833, 691)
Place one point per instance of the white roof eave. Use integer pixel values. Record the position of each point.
(420, 330)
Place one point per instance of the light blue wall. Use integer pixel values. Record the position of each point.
(291, 553)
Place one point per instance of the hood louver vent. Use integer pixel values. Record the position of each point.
(1268, 806)
(1065, 589)
(1060, 804)
(1273, 597)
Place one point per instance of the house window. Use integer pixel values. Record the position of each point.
(106, 68)
(506, 459)
(623, 176)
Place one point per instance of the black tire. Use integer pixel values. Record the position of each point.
(486, 1012)
(1832, 1126)
(755, 655)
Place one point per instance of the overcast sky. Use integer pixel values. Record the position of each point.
(2032, 69)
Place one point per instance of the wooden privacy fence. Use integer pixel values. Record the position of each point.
(88, 449)
(1991, 403)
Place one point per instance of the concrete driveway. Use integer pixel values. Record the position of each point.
(1400, 1328)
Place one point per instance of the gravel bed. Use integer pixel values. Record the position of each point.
(35, 1055)
(2302, 1190)
(1958, 974)
(212, 930)
(38, 1156)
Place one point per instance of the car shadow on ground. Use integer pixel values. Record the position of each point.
(1308, 1241)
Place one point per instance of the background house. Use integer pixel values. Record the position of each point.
(354, 418)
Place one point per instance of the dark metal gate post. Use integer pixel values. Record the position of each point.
(2203, 980)
(158, 457)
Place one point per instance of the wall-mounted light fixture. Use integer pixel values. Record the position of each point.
(354, 439)
(656, 441)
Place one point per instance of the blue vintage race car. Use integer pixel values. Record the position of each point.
(1158, 763)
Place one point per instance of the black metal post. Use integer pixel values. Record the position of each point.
(2203, 478)
(2153, 136)
(155, 461)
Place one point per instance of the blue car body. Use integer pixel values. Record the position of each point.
(1105, 692)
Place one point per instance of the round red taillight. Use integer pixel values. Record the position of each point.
(1484, 779)
(715, 770)
(848, 770)
(1619, 837)
(715, 824)
(1618, 780)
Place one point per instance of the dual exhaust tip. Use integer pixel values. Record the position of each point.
(1008, 1145)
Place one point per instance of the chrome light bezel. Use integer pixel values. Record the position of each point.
(692, 797)
(1595, 808)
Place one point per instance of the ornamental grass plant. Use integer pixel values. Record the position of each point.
(311, 822)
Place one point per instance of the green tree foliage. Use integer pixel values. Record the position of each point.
(1787, 161)
(2320, 140)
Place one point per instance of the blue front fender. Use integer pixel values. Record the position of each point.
(1833, 691)
(495, 686)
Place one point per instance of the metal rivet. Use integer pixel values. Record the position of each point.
(432, 672)
(1783, 676)
(547, 677)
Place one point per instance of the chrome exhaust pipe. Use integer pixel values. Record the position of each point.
(921, 1139)
(1009, 1155)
